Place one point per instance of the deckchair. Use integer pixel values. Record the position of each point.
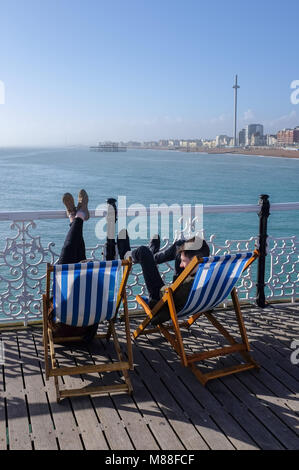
(215, 279)
(85, 294)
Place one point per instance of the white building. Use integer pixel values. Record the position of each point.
(271, 140)
(223, 140)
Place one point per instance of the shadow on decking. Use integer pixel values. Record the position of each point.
(169, 408)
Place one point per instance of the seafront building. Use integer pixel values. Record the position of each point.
(223, 140)
(256, 130)
(271, 140)
(173, 143)
(242, 138)
(288, 136)
(250, 136)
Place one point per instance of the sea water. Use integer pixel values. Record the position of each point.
(35, 179)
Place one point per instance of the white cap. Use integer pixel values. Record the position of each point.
(195, 245)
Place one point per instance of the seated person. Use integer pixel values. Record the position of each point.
(181, 251)
(73, 251)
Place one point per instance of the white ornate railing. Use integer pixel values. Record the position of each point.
(24, 257)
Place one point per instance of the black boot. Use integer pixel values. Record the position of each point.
(154, 244)
(123, 243)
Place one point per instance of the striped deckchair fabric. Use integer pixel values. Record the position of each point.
(215, 278)
(85, 293)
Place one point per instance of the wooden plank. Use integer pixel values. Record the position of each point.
(274, 390)
(127, 409)
(274, 351)
(215, 436)
(215, 353)
(18, 423)
(209, 432)
(263, 336)
(3, 441)
(65, 425)
(192, 437)
(273, 376)
(111, 423)
(274, 368)
(162, 433)
(263, 413)
(88, 425)
(232, 408)
(266, 398)
(103, 406)
(43, 432)
(255, 427)
(242, 414)
(270, 395)
(73, 370)
(238, 435)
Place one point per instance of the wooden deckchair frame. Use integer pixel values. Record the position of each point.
(174, 337)
(51, 367)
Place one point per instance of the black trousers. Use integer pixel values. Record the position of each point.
(73, 250)
(148, 261)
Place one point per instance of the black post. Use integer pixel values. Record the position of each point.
(263, 215)
(111, 220)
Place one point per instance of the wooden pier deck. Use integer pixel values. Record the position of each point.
(169, 410)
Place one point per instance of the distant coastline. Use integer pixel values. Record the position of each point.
(258, 151)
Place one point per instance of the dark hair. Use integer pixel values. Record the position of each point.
(203, 251)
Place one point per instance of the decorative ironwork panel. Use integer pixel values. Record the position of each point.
(22, 264)
(283, 276)
(23, 269)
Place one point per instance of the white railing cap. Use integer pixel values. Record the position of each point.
(155, 208)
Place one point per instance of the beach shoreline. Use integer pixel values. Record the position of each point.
(258, 151)
(262, 152)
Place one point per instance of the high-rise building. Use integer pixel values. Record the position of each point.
(253, 129)
(242, 137)
(236, 86)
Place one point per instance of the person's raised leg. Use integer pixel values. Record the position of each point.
(152, 278)
(73, 250)
(144, 256)
(170, 254)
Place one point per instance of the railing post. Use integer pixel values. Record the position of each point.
(111, 221)
(263, 215)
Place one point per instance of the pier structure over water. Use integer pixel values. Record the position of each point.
(169, 409)
(108, 147)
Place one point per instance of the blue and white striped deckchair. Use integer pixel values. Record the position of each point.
(215, 279)
(86, 294)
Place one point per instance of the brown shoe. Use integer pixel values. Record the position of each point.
(83, 203)
(69, 203)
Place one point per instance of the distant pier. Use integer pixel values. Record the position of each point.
(109, 147)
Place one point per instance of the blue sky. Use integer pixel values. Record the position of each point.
(80, 71)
